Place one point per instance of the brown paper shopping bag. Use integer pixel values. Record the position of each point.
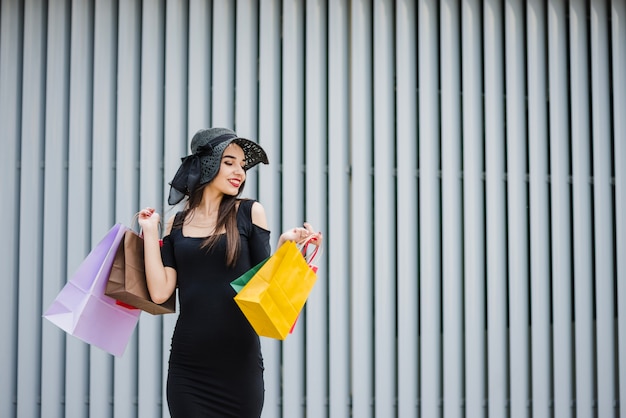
(127, 282)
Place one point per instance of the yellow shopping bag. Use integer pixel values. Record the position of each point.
(273, 298)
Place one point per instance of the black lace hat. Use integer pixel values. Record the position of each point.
(207, 146)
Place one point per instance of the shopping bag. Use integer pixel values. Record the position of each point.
(310, 259)
(243, 280)
(127, 281)
(83, 310)
(274, 296)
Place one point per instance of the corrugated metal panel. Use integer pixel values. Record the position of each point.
(465, 161)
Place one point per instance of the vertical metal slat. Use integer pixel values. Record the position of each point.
(79, 236)
(560, 212)
(223, 69)
(246, 78)
(293, 185)
(517, 215)
(199, 66)
(474, 244)
(451, 211)
(618, 59)
(361, 254)
(11, 52)
(407, 208)
(497, 341)
(540, 304)
(176, 135)
(582, 218)
(603, 211)
(269, 184)
(103, 180)
(337, 238)
(384, 211)
(31, 191)
(430, 210)
(316, 209)
(129, 24)
(55, 204)
(142, 356)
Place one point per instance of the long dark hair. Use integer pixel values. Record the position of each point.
(226, 219)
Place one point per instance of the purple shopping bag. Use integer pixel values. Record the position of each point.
(83, 310)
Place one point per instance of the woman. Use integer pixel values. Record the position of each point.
(215, 365)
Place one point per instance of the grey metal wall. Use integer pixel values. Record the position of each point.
(466, 160)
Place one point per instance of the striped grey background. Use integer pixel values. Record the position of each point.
(465, 159)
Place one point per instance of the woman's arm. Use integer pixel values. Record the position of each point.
(299, 234)
(161, 280)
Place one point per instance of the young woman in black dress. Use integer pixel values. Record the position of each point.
(215, 364)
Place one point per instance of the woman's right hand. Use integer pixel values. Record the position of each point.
(149, 219)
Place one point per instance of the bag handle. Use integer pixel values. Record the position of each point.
(311, 239)
(135, 220)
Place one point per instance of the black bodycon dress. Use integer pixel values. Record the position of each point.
(215, 364)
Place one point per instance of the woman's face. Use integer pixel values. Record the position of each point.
(231, 174)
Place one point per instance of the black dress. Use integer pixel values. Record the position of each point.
(215, 364)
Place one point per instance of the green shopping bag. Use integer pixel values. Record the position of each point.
(242, 280)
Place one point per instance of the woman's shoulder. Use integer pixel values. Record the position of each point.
(258, 215)
(253, 211)
(247, 204)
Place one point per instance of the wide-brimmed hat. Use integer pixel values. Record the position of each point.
(207, 146)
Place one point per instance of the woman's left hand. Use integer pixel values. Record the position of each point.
(301, 234)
